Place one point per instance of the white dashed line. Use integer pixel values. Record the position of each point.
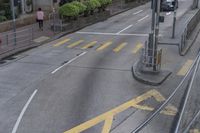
(22, 112)
(137, 12)
(124, 29)
(70, 61)
(143, 18)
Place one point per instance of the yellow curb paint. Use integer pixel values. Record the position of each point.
(61, 42)
(89, 45)
(137, 48)
(185, 68)
(121, 46)
(105, 45)
(75, 43)
(108, 116)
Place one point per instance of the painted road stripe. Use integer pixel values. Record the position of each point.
(137, 48)
(108, 124)
(89, 45)
(107, 117)
(75, 44)
(22, 112)
(124, 29)
(105, 45)
(195, 131)
(137, 12)
(121, 46)
(113, 34)
(61, 42)
(143, 18)
(185, 68)
(70, 61)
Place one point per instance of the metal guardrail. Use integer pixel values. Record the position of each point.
(190, 26)
(15, 40)
(194, 67)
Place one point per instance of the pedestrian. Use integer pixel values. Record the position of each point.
(40, 18)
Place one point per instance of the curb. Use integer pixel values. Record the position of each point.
(146, 81)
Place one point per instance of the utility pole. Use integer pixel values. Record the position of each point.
(156, 35)
(14, 20)
(174, 19)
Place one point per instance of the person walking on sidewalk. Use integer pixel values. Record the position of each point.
(40, 18)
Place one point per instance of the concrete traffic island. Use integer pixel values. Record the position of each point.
(147, 77)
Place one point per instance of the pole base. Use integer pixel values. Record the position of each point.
(149, 78)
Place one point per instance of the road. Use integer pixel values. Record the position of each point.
(62, 84)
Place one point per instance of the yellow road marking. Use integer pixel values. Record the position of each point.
(61, 42)
(195, 131)
(89, 45)
(108, 116)
(137, 48)
(185, 68)
(121, 46)
(75, 44)
(105, 45)
(108, 124)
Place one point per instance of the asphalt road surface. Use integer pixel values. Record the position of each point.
(86, 77)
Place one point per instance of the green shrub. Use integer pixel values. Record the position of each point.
(69, 10)
(81, 6)
(105, 2)
(2, 18)
(92, 4)
(97, 3)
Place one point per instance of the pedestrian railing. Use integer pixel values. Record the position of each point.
(190, 26)
(150, 60)
(16, 40)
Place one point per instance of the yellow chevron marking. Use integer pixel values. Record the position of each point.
(89, 45)
(108, 116)
(121, 46)
(137, 48)
(75, 43)
(185, 68)
(61, 42)
(105, 45)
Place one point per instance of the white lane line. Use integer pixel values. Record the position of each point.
(111, 34)
(22, 112)
(137, 12)
(124, 29)
(168, 13)
(70, 61)
(143, 18)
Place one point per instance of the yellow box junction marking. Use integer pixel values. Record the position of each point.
(75, 43)
(89, 45)
(61, 42)
(105, 45)
(108, 116)
(185, 68)
(137, 48)
(121, 46)
(195, 131)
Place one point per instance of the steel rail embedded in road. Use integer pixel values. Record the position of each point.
(191, 122)
(189, 87)
(157, 111)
